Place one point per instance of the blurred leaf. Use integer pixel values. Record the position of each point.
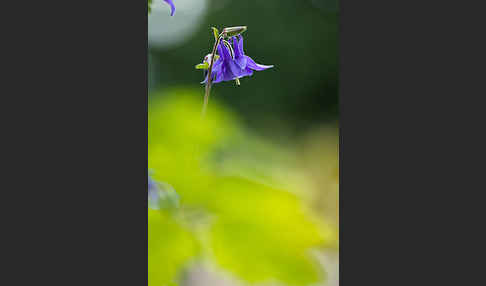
(263, 233)
(170, 248)
(169, 200)
(254, 253)
(180, 140)
(258, 232)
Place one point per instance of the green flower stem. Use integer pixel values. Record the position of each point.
(210, 78)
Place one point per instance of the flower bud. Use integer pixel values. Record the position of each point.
(233, 31)
(216, 33)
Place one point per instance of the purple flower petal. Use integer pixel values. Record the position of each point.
(226, 73)
(254, 66)
(217, 77)
(239, 53)
(235, 69)
(172, 7)
(229, 69)
(224, 53)
(217, 65)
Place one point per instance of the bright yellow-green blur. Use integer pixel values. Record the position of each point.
(251, 208)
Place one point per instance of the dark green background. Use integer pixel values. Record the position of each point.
(298, 37)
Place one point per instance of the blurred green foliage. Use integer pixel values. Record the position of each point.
(236, 211)
(170, 247)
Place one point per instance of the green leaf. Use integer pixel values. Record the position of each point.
(216, 33)
(203, 66)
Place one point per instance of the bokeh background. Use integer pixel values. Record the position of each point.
(258, 178)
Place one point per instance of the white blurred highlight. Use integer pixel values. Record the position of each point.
(165, 31)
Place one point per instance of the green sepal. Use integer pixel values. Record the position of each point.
(216, 33)
(203, 66)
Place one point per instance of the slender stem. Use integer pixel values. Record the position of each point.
(210, 76)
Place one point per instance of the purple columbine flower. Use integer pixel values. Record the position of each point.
(229, 67)
(225, 67)
(172, 7)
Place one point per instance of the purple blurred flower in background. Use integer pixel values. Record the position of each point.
(172, 7)
(153, 190)
(231, 66)
(161, 196)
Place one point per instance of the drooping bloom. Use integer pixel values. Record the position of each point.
(234, 64)
(225, 67)
(172, 7)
